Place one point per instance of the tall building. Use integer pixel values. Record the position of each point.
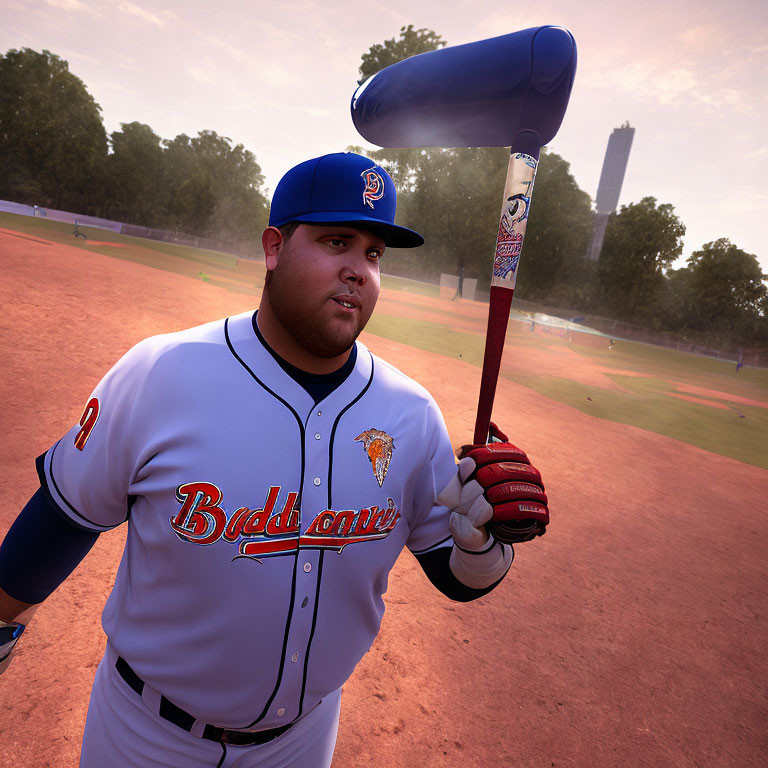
(611, 179)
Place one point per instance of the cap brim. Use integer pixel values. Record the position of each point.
(393, 235)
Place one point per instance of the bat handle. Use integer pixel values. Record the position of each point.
(498, 318)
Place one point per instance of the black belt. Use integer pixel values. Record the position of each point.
(177, 716)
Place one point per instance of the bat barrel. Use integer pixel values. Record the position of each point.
(474, 95)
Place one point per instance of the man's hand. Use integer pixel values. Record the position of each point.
(469, 511)
(12, 611)
(495, 483)
(10, 632)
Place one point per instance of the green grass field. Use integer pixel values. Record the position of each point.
(409, 286)
(61, 232)
(736, 430)
(739, 431)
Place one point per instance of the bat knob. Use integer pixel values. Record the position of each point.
(515, 531)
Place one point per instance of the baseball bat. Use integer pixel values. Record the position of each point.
(512, 91)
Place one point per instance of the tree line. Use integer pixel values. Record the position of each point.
(55, 152)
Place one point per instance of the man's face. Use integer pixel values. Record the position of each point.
(325, 285)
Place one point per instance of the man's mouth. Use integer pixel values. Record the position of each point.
(349, 302)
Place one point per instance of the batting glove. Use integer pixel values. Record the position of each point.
(496, 483)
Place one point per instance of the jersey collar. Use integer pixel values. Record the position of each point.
(251, 353)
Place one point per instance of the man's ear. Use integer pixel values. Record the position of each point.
(272, 243)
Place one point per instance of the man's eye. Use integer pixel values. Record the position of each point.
(375, 255)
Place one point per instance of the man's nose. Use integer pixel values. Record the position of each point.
(355, 277)
(353, 271)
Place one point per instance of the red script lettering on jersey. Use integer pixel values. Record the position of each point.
(272, 530)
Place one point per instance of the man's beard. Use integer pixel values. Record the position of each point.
(308, 333)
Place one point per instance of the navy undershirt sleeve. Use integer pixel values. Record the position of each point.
(40, 550)
(436, 565)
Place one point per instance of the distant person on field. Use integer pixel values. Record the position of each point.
(611, 343)
(460, 287)
(740, 362)
(35, 210)
(76, 231)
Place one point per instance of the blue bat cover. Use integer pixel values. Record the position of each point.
(480, 94)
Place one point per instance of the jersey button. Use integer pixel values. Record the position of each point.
(281, 711)
(319, 413)
(307, 567)
(295, 657)
(316, 481)
(317, 435)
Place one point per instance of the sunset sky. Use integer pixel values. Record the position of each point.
(690, 77)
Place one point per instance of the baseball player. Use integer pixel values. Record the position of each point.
(270, 470)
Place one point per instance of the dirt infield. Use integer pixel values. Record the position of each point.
(633, 634)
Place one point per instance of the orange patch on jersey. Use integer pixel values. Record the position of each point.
(379, 446)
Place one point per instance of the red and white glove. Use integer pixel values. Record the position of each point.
(508, 490)
(495, 483)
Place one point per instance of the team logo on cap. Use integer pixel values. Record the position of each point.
(378, 445)
(374, 186)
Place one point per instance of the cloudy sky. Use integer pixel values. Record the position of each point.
(277, 77)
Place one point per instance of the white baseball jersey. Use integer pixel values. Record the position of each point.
(261, 527)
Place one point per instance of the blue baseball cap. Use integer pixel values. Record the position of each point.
(342, 188)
